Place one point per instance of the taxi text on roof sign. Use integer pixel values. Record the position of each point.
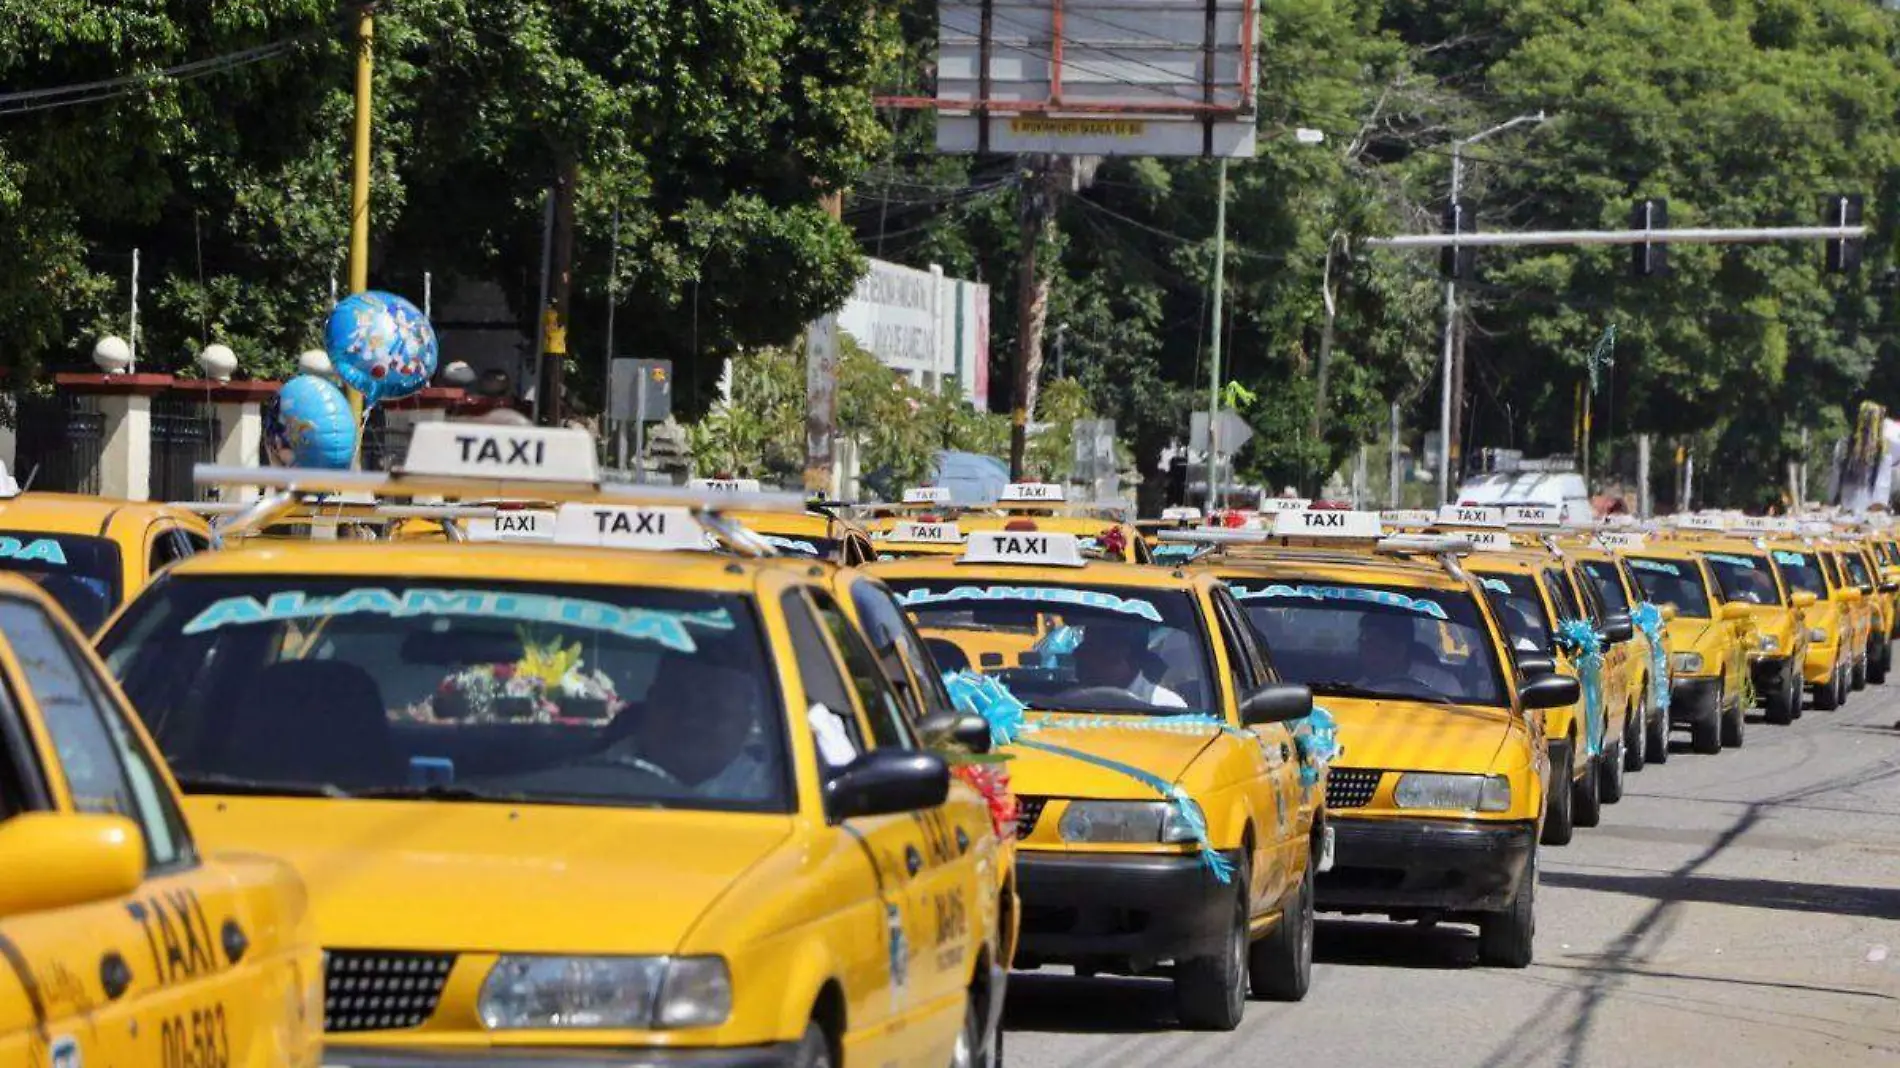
(1335, 524)
(1490, 541)
(1701, 522)
(526, 524)
(932, 533)
(927, 495)
(525, 454)
(1622, 539)
(1471, 515)
(1408, 517)
(1018, 492)
(1022, 547)
(726, 485)
(1532, 515)
(1285, 504)
(621, 526)
(1765, 524)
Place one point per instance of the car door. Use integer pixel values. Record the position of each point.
(196, 967)
(1274, 783)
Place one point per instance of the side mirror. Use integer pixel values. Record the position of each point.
(886, 782)
(1668, 612)
(972, 732)
(1890, 587)
(1735, 612)
(1531, 665)
(1276, 702)
(1617, 628)
(58, 860)
(1804, 599)
(1550, 691)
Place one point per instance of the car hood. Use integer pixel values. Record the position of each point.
(1686, 635)
(1036, 772)
(507, 878)
(1408, 736)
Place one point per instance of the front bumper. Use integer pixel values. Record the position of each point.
(1109, 909)
(1817, 668)
(1401, 865)
(780, 1055)
(1694, 699)
(1770, 674)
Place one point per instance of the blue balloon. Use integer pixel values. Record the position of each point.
(381, 345)
(314, 423)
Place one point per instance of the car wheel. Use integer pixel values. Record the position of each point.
(1706, 735)
(1210, 993)
(1636, 738)
(1657, 751)
(1827, 697)
(1280, 966)
(1878, 661)
(1784, 704)
(814, 1048)
(1505, 938)
(1559, 827)
(1732, 723)
(974, 1048)
(1859, 679)
(1610, 774)
(1586, 796)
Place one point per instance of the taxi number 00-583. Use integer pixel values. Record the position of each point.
(196, 1039)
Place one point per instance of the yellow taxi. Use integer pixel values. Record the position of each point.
(1859, 605)
(1745, 574)
(123, 941)
(1709, 643)
(1639, 672)
(1438, 796)
(563, 802)
(1163, 814)
(1860, 572)
(93, 553)
(1826, 668)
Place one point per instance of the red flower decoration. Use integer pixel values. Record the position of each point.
(992, 782)
(1114, 542)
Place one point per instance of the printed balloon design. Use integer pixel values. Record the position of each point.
(380, 345)
(314, 423)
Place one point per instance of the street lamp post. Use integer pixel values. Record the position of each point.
(1451, 306)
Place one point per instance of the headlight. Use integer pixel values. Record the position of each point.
(1816, 634)
(1770, 644)
(1688, 663)
(1114, 821)
(1461, 793)
(605, 993)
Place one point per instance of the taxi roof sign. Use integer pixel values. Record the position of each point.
(1490, 541)
(927, 495)
(923, 533)
(1034, 493)
(1285, 504)
(1533, 515)
(1408, 517)
(1023, 547)
(517, 454)
(1328, 524)
(631, 526)
(726, 485)
(1701, 522)
(1471, 515)
(1767, 524)
(1622, 539)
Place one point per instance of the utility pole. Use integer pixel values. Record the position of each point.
(560, 293)
(1643, 508)
(1214, 348)
(1394, 469)
(1447, 426)
(132, 339)
(821, 387)
(541, 321)
(1038, 223)
(359, 175)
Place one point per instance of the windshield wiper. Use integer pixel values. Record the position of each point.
(437, 792)
(209, 783)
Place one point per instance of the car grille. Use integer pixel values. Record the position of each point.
(1028, 811)
(373, 990)
(1351, 787)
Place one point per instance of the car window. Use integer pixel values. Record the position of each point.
(1587, 595)
(167, 548)
(1559, 586)
(831, 711)
(21, 786)
(1744, 578)
(107, 769)
(82, 573)
(1801, 571)
(890, 729)
(1673, 582)
(1237, 637)
(1520, 610)
(885, 621)
(1608, 584)
(1857, 571)
(1833, 569)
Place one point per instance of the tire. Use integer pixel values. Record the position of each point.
(1828, 698)
(1782, 707)
(1733, 722)
(1859, 679)
(1879, 658)
(1210, 993)
(1657, 749)
(1505, 939)
(974, 1049)
(1280, 966)
(1636, 737)
(814, 1048)
(1559, 824)
(1586, 796)
(1610, 774)
(1706, 736)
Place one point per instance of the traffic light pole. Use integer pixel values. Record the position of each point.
(1743, 236)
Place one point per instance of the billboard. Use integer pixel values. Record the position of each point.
(1097, 77)
(927, 326)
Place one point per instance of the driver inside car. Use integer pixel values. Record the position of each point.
(1391, 658)
(1115, 655)
(698, 728)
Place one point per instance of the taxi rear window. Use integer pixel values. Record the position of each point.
(1744, 577)
(1079, 649)
(1672, 582)
(445, 689)
(80, 572)
(1361, 640)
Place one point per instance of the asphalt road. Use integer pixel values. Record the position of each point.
(1734, 910)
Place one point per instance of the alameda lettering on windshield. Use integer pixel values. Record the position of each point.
(1387, 598)
(1048, 594)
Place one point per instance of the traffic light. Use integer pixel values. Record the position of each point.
(1649, 259)
(1843, 209)
(1455, 262)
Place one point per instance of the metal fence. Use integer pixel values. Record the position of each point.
(58, 443)
(185, 432)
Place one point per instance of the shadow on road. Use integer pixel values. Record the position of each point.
(1754, 893)
(1395, 945)
(1064, 1004)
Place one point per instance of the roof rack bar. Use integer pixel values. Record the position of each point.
(397, 484)
(263, 513)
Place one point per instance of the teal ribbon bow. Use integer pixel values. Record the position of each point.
(1579, 639)
(1649, 619)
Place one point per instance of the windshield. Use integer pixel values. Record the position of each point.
(1801, 571)
(79, 572)
(807, 545)
(1095, 649)
(1744, 578)
(1515, 602)
(1856, 570)
(1672, 582)
(1603, 578)
(1351, 640)
(373, 686)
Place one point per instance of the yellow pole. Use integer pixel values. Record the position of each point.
(359, 184)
